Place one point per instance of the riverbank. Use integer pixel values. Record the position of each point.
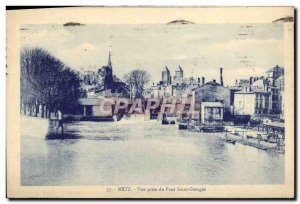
(253, 142)
(41, 127)
(238, 134)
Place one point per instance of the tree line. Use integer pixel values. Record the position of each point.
(47, 84)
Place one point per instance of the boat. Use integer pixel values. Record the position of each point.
(182, 126)
(230, 141)
(183, 123)
(172, 122)
(211, 128)
(165, 122)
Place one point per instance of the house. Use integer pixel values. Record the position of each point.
(279, 83)
(212, 113)
(212, 92)
(274, 73)
(253, 103)
(97, 107)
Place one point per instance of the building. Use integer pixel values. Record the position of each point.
(178, 73)
(89, 77)
(260, 96)
(91, 107)
(102, 83)
(259, 85)
(253, 103)
(212, 113)
(165, 91)
(213, 92)
(176, 87)
(279, 83)
(276, 87)
(274, 73)
(166, 76)
(182, 85)
(106, 74)
(232, 90)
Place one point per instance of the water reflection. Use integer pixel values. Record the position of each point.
(144, 154)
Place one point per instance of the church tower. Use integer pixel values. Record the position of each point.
(178, 73)
(106, 74)
(165, 75)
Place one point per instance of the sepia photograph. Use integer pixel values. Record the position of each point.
(158, 108)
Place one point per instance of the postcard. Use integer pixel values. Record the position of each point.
(150, 102)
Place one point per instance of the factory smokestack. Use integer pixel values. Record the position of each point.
(221, 76)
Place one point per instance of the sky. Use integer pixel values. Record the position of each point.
(242, 50)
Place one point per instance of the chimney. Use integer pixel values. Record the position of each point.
(214, 81)
(221, 76)
(236, 82)
(203, 80)
(198, 80)
(251, 80)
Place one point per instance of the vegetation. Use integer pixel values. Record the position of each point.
(136, 81)
(47, 85)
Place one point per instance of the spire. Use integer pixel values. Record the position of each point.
(109, 60)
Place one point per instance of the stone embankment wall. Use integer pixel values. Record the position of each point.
(40, 127)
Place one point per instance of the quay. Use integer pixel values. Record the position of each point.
(47, 128)
(268, 137)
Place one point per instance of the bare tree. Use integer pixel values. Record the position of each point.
(128, 78)
(136, 80)
(47, 83)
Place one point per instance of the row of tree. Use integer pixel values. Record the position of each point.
(47, 85)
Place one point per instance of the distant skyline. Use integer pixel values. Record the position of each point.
(242, 50)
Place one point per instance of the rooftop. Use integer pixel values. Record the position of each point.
(212, 104)
(275, 124)
(179, 69)
(250, 92)
(166, 69)
(276, 68)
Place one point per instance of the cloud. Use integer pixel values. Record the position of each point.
(180, 22)
(73, 24)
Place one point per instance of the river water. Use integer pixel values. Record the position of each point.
(144, 153)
